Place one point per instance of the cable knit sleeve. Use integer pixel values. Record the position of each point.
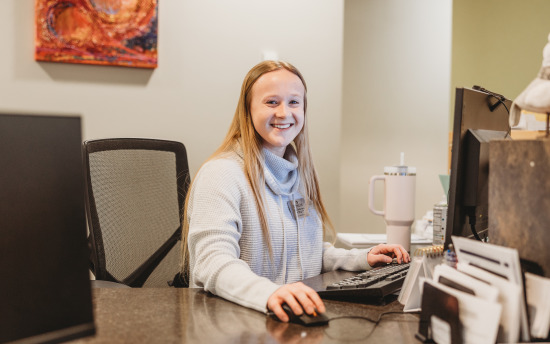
(340, 258)
(215, 227)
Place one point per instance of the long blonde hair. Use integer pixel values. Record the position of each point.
(242, 130)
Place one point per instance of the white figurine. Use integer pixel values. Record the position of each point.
(536, 97)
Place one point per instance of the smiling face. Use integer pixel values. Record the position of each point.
(277, 109)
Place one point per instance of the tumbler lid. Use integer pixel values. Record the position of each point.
(401, 169)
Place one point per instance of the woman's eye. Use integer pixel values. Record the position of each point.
(294, 102)
(271, 102)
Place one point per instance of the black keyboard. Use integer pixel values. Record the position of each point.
(378, 282)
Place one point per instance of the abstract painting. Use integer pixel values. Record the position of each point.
(100, 32)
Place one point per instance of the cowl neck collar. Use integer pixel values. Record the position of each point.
(281, 174)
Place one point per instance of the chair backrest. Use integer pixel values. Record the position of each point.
(135, 194)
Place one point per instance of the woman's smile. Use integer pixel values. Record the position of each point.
(282, 126)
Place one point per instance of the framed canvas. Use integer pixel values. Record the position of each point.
(100, 32)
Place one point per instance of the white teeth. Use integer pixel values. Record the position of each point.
(281, 126)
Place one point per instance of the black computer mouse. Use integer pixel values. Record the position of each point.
(315, 319)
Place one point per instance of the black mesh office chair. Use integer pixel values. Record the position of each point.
(135, 194)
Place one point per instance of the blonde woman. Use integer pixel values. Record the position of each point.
(255, 220)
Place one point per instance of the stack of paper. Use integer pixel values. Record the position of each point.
(367, 240)
(509, 297)
(479, 313)
(489, 288)
(500, 261)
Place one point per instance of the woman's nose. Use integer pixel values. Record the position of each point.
(283, 111)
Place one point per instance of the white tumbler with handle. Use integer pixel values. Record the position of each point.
(399, 197)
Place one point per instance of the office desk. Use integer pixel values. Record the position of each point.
(169, 315)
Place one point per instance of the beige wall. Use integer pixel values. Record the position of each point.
(398, 87)
(395, 99)
(382, 89)
(498, 44)
(205, 49)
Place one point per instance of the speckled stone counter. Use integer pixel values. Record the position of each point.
(168, 315)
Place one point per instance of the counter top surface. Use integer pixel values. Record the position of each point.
(170, 315)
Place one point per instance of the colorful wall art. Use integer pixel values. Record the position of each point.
(101, 32)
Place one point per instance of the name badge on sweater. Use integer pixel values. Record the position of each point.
(300, 207)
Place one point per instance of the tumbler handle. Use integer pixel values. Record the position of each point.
(371, 194)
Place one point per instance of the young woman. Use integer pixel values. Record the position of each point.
(255, 220)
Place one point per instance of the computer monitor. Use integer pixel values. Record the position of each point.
(480, 116)
(45, 293)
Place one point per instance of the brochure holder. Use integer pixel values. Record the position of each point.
(437, 303)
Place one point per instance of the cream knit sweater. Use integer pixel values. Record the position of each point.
(228, 254)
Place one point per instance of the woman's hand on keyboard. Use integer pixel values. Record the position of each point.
(298, 296)
(384, 254)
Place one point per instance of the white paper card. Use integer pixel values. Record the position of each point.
(479, 317)
(538, 300)
(410, 296)
(477, 287)
(509, 297)
(503, 261)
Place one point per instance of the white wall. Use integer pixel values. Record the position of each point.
(394, 63)
(395, 99)
(205, 49)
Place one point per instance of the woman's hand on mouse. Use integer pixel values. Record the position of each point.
(384, 254)
(298, 297)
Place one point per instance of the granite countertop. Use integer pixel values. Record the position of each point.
(170, 315)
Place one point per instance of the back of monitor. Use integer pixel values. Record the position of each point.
(45, 290)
